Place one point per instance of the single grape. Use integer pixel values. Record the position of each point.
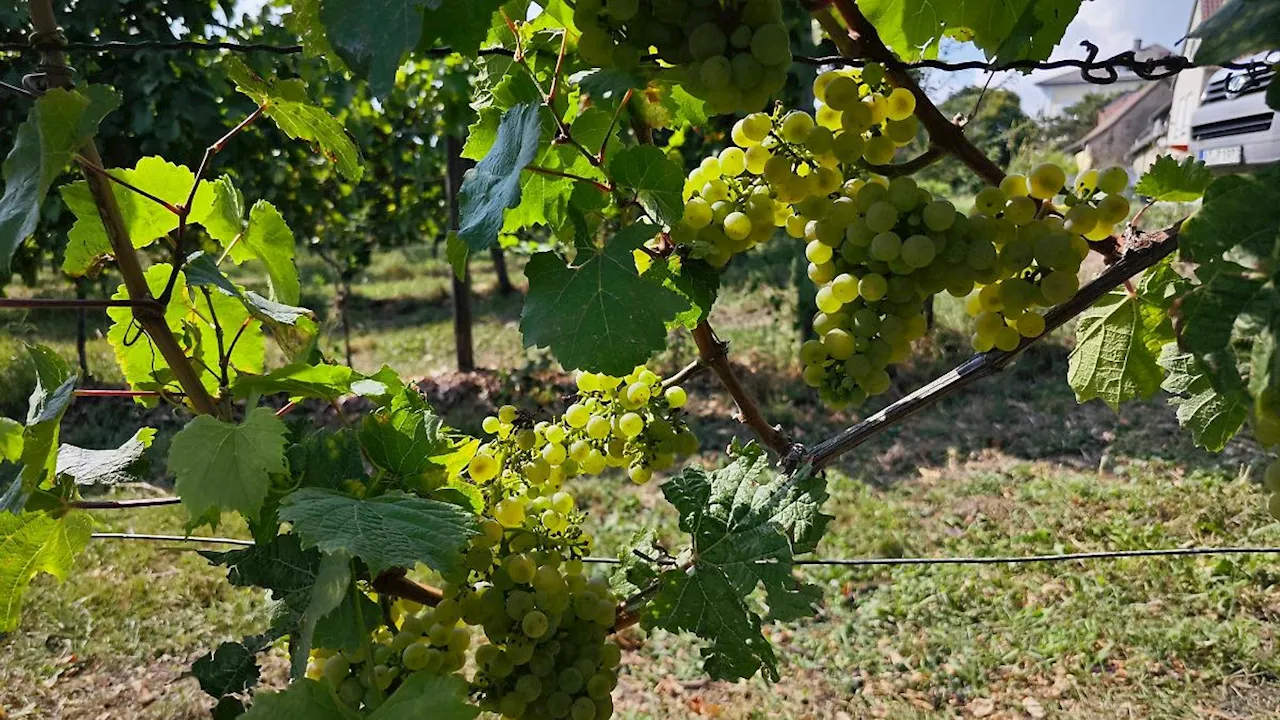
(1113, 180)
(770, 45)
(901, 103)
(796, 126)
(873, 286)
(737, 226)
(675, 396)
(1046, 181)
(631, 424)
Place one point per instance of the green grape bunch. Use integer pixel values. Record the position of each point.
(733, 54)
(735, 200)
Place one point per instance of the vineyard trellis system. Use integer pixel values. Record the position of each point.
(355, 508)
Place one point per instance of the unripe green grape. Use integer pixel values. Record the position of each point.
(1058, 286)
(903, 194)
(631, 424)
(1113, 180)
(813, 375)
(336, 669)
(1081, 219)
(819, 141)
(771, 45)
(675, 396)
(827, 301)
(507, 414)
(1112, 210)
(845, 287)
(901, 103)
(716, 72)
(1015, 186)
(886, 246)
(818, 253)
(638, 393)
(1030, 324)
(707, 40)
(839, 344)
(737, 226)
(490, 425)
(483, 468)
(873, 286)
(990, 200)
(873, 74)
(1046, 181)
(866, 322)
(918, 251)
(555, 433)
(812, 352)
(879, 150)
(757, 157)
(902, 132)
(1020, 210)
(939, 215)
(796, 126)
(583, 709)
(756, 126)
(1270, 479)
(732, 161)
(509, 512)
(875, 382)
(697, 213)
(881, 216)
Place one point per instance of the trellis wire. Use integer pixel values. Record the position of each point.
(840, 562)
(1148, 69)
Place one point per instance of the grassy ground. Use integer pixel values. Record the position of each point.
(1012, 467)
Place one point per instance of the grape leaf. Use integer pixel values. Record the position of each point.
(32, 543)
(1264, 374)
(634, 573)
(459, 24)
(746, 524)
(226, 220)
(145, 220)
(232, 667)
(483, 133)
(105, 467)
(404, 438)
(391, 530)
(1238, 215)
(55, 388)
(372, 36)
(222, 466)
(600, 315)
(58, 124)
(10, 439)
(425, 695)
(332, 586)
(292, 327)
(456, 252)
(695, 280)
(325, 459)
(1238, 28)
(302, 699)
(657, 181)
(271, 241)
(287, 104)
(493, 185)
(1167, 180)
(1118, 341)
(144, 367)
(1004, 29)
(299, 380)
(280, 565)
(1212, 417)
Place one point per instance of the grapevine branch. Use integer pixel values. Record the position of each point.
(1147, 250)
(150, 317)
(123, 504)
(714, 353)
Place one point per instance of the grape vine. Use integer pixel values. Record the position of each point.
(423, 571)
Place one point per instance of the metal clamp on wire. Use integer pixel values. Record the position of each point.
(53, 71)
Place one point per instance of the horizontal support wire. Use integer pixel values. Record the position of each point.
(1089, 67)
(842, 562)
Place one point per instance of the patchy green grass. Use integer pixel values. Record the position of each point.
(1013, 466)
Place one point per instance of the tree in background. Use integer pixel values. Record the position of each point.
(998, 128)
(1076, 121)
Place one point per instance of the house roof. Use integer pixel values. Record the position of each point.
(1113, 112)
(1209, 7)
(1074, 77)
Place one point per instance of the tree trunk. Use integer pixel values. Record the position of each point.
(461, 288)
(500, 269)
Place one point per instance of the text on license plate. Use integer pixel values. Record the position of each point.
(1223, 156)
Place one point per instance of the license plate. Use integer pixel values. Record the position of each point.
(1223, 156)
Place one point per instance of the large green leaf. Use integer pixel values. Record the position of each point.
(493, 185)
(1118, 342)
(142, 363)
(372, 36)
(232, 667)
(55, 388)
(405, 438)
(392, 530)
(287, 104)
(1238, 28)
(1239, 216)
(656, 180)
(32, 543)
(145, 220)
(746, 523)
(325, 459)
(1005, 29)
(423, 695)
(292, 327)
(304, 699)
(599, 315)
(1167, 180)
(10, 439)
(300, 380)
(58, 124)
(1263, 317)
(1212, 417)
(458, 24)
(224, 466)
(271, 241)
(280, 565)
(105, 467)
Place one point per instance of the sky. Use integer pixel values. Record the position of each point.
(1112, 25)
